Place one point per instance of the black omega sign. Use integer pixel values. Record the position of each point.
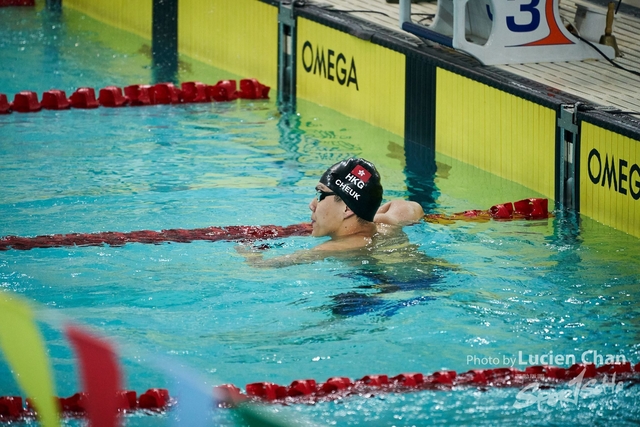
(329, 65)
(615, 174)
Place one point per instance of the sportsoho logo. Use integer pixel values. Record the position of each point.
(329, 64)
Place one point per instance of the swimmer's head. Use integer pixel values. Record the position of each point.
(357, 183)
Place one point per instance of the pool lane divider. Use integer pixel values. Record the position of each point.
(528, 209)
(5, 3)
(152, 400)
(239, 233)
(308, 391)
(135, 95)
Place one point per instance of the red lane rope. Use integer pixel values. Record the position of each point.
(534, 208)
(179, 235)
(153, 400)
(523, 209)
(4, 3)
(135, 95)
(308, 391)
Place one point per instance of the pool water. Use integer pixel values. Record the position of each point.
(455, 295)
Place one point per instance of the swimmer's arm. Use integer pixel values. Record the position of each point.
(255, 258)
(399, 212)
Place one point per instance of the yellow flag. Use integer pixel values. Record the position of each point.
(22, 345)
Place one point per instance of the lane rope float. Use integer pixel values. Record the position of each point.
(528, 209)
(308, 391)
(135, 95)
(213, 234)
(154, 400)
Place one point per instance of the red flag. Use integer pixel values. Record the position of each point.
(361, 173)
(100, 374)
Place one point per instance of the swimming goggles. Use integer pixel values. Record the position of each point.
(322, 194)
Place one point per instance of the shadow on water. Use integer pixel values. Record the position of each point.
(420, 171)
(290, 139)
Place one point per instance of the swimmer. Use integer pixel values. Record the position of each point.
(346, 209)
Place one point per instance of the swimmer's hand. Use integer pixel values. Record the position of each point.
(250, 254)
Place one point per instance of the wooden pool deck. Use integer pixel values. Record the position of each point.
(596, 81)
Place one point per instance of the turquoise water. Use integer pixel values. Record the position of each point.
(563, 285)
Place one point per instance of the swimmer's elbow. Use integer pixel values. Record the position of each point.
(399, 212)
(416, 213)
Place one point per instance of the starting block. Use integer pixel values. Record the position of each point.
(504, 31)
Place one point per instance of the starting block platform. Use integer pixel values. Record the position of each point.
(504, 31)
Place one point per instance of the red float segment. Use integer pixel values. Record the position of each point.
(474, 376)
(413, 379)
(154, 398)
(111, 96)
(442, 377)
(499, 377)
(224, 90)
(76, 404)
(335, 384)
(253, 89)
(589, 370)
(615, 368)
(229, 394)
(532, 208)
(26, 102)
(302, 388)
(55, 100)
(84, 97)
(503, 211)
(195, 92)
(127, 400)
(139, 94)
(5, 106)
(166, 93)
(373, 380)
(266, 391)
(4, 3)
(556, 373)
(11, 407)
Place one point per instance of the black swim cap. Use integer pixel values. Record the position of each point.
(357, 182)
